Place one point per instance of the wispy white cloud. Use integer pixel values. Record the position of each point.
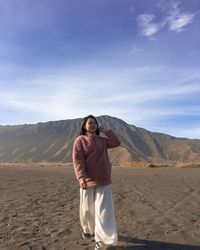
(68, 95)
(51, 97)
(60, 94)
(148, 27)
(177, 20)
(173, 18)
(192, 132)
(135, 49)
(155, 94)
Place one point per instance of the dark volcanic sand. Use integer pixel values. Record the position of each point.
(156, 209)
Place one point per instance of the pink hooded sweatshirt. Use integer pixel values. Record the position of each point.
(90, 158)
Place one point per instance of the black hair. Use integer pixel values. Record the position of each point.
(83, 130)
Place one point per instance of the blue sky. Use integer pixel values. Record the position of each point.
(137, 60)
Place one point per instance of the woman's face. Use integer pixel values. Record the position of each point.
(91, 125)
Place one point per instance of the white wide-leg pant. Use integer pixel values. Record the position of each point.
(97, 214)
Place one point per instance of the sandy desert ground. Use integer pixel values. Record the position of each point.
(156, 209)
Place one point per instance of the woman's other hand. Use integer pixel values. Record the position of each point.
(83, 183)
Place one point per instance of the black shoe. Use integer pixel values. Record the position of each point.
(87, 235)
(99, 245)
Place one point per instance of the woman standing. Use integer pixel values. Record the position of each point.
(93, 171)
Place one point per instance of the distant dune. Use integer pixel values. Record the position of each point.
(52, 142)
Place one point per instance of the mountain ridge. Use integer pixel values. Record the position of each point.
(52, 142)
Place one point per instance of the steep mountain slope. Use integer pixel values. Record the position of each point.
(53, 141)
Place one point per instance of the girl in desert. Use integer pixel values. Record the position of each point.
(93, 171)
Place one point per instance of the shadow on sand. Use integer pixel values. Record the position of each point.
(138, 244)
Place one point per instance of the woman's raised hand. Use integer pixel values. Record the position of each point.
(102, 129)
